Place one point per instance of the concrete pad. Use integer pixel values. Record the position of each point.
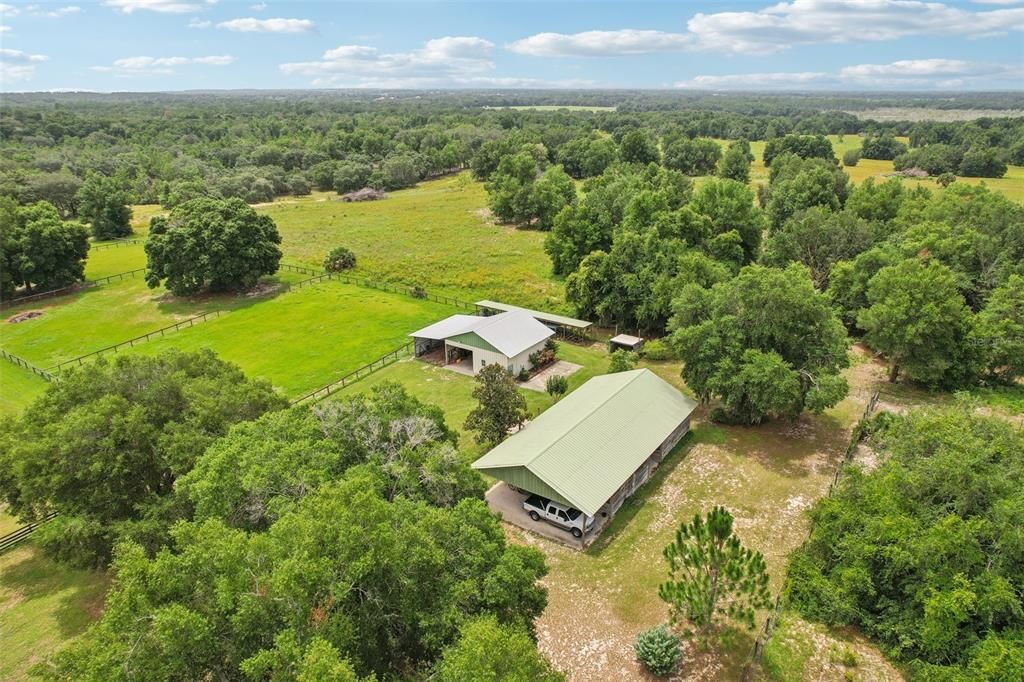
(560, 368)
(508, 504)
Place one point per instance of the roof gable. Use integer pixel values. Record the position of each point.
(509, 333)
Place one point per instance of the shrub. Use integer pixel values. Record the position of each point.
(524, 374)
(418, 292)
(658, 649)
(945, 179)
(556, 386)
(658, 350)
(851, 157)
(340, 258)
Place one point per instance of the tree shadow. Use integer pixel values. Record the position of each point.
(27, 573)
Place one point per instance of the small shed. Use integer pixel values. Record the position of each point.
(626, 342)
(596, 446)
(567, 326)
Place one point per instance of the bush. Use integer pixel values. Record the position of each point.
(851, 157)
(418, 292)
(658, 351)
(556, 386)
(945, 179)
(340, 258)
(658, 649)
(524, 374)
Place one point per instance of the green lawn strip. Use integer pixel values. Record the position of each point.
(436, 235)
(309, 337)
(18, 388)
(95, 318)
(114, 260)
(43, 606)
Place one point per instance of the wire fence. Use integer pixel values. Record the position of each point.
(19, 534)
(27, 365)
(366, 282)
(355, 375)
(772, 621)
(73, 288)
(116, 244)
(131, 343)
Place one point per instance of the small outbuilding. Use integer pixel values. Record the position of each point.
(626, 342)
(471, 342)
(596, 446)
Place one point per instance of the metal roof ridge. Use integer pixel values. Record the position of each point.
(638, 372)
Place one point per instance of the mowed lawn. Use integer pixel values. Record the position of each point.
(43, 605)
(104, 262)
(95, 318)
(18, 387)
(437, 235)
(306, 338)
(453, 392)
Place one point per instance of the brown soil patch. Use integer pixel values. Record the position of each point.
(26, 315)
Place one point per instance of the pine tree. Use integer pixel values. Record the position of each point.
(711, 574)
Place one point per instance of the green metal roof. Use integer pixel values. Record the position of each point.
(542, 316)
(589, 443)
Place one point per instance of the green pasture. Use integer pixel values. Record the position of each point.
(114, 260)
(18, 387)
(304, 339)
(437, 235)
(45, 606)
(453, 392)
(102, 316)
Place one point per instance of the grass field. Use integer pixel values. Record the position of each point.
(92, 319)
(299, 340)
(113, 261)
(453, 392)
(436, 235)
(18, 387)
(44, 605)
(304, 339)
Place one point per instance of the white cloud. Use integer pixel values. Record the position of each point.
(163, 6)
(449, 60)
(907, 73)
(600, 43)
(4, 29)
(136, 66)
(803, 22)
(9, 10)
(253, 25)
(62, 11)
(757, 81)
(258, 7)
(783, 25)
(17, 66)
(199, 23)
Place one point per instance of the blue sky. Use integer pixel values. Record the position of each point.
(146, 45)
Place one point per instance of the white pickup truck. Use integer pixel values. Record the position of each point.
(542, 509)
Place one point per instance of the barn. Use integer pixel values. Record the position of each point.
(470, 342)
(596, 446)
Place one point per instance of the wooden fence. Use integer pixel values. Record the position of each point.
(355, 375)
(27, 365)
(116, 244)
(72, 289)
(190, 322)
(18, 534)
